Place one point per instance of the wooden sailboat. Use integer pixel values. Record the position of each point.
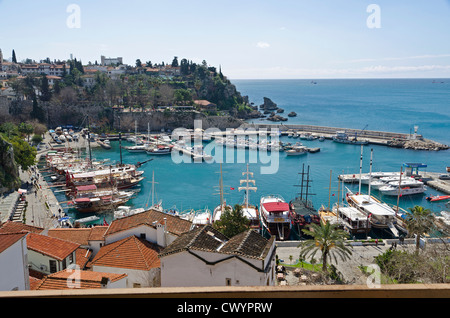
(248, 210)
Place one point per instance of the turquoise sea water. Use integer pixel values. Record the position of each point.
(381, 104)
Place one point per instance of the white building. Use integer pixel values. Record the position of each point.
(14, 273)
(154, 226)
(136, 257)
(205, 257)
(49, 255)
(110, 60)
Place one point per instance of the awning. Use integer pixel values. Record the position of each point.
(22, 191)
(80, 200)
(276, 206)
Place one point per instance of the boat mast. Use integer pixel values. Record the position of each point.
(120, 143)
(247, 188)
(221, 188)
(89, 142)
(360, 169)
(399, 189)
(370, 171)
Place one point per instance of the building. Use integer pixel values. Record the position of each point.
(14, 273)
(88, 238)
(205, 257)
(154, 226)
(110, 60)
(134, 256)
(49, 255)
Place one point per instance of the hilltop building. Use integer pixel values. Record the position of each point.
(110, 60)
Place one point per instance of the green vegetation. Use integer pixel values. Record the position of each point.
(24, 154)
(145, 86)
(232, 221)
(328, 240)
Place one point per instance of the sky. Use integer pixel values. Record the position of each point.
(248, 39)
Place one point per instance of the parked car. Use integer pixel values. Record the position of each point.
(444, 177)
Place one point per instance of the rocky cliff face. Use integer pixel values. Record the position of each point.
(9, 172)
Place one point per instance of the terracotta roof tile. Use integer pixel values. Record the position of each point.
(8, 239)
(206, 238)
(50, 246)
(81, 236)
(174, 225)
(64, 280)
(131, 252)
(14, 227)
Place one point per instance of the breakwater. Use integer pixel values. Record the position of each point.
(385, 138)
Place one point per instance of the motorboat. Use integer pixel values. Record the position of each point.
(159, 150)
(342, 137)
(296, 151)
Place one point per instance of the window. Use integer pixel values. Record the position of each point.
(136, 285)
(142, 236)
(52, 266)
(228, 281)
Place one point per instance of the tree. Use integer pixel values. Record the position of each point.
(14, 59)
(175, 61)
(46, 95)
(26, 129)
(327, 239)
(24, 154)
(232, 221)
(138, 63)
(418, 221)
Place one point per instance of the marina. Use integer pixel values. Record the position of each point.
(268, 216)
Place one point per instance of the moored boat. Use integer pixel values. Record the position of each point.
(275, 216)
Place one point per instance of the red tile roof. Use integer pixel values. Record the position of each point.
(131, 252)
(15, 227)
(8, 239)
(174, 224)
(81, 236)
(50, 246)
(66, 279)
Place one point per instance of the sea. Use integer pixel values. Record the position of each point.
(394, 105)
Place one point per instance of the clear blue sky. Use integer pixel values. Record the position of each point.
(248, 38)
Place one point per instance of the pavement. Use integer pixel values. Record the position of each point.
(349, 269)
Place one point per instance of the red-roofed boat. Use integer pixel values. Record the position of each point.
(276, 217)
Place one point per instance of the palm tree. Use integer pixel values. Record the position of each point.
(418, 221)
(327, 239)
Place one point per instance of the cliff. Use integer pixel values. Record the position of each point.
(9, 172)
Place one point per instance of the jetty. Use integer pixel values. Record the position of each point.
(384, 138)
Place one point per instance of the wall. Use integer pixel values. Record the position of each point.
(14, 267)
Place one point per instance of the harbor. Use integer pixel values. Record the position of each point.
(87, 161)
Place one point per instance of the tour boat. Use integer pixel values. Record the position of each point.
(401, 188)
(90, 199)
(354, 221)
(380, 214)
(275, 216)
